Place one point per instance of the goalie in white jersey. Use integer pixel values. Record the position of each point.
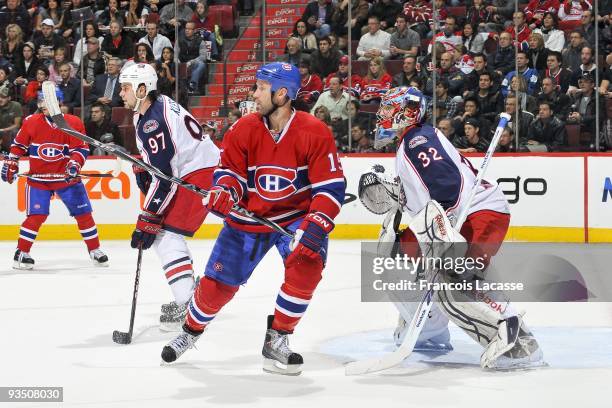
(430, 168)
(170, 139)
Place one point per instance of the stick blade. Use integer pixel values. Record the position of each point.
(373, 365)
(51, 102)
(121, 337)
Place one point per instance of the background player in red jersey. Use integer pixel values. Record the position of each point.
(51, 152)
(280, 164)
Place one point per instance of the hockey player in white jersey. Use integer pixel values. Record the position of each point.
(168, 138)
(430, 168)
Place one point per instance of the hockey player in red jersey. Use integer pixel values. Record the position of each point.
(56, 158)
(169, 138)
(280, 164)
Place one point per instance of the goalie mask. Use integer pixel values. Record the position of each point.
(400, 108)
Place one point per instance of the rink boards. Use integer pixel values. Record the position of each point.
(553, 198)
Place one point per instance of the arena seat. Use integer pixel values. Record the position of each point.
(128, 135)
(360, 67)
(226, 17)
(122, 116)
(394, 66)
(573, 135)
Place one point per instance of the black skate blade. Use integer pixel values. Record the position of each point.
(121, 337)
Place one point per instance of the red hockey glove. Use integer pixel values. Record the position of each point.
(220, 200)
(10, 167)
(72, 169)
(311, 236)
(147, 228)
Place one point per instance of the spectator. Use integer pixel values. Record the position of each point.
(572, 53)
(530, 74)
(355, 87)
(169, 21)
(449, 36)
(374, 43)
(59, 57)
(376, 82)
(473, 141)
(419, 15)
(30, 96)
(365, 120)
(587, 26)
(165, 72)
(311, 85)
(53, 11)
(112, 13)
(404, 41)
(536, 11)
(472, 39)
(445, 126)
(105, 89)
(554, 39)
(471, 109)
(91, 31)
(518, 85)
(94, 63)
(232, 117)
(12, 46)
(560, 76)
(471, 80)
(536, 53)
(210, 129)
(546, 132)
(117, 44)
(5, 82)
(506, 142)
(445, 105)
(201, 18)
(478, 15)
(308, 41)
(335, 100)
(15, 13)
(322, 113)
(144, 54)
(583, 108)
(387, 12)
(359, 13)
(490, 100)
(450, 73)
(502, 11)
(409, 71)
(25, 69)
(318, 16)
(324, 60)
(361, 142)
(525, 118)
(136, 13)
(70, 28)
(570, 13)
(558, 101)
(10, 117)
(587, 66)
(519, 30)
(293, 55)
(193, 52)
(100, 127)
(71, 88)
(502, 61)
(47, 41)
(156, 41)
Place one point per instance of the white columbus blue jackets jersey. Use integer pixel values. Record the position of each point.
(169, 138)
(430, 167)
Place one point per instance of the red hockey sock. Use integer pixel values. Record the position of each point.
(89, 231)
(209, 297)
(29, 231)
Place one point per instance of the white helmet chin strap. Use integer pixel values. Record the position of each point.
(138, 100)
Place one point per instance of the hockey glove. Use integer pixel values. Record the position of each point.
(310, 237)
(72, 169)
(10, 167)
(147, 228)
(143, 178)
(220, 200)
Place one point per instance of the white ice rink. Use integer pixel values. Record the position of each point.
(57, 321)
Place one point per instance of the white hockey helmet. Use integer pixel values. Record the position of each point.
(139, 74)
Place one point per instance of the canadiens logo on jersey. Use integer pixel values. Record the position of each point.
(275, 183)
(51, 152)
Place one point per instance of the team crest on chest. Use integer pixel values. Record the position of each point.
(51, 152)
(150, 126)
(275, 183)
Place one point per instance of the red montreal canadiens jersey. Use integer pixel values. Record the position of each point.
(285, 179)
(49, 148)
(375, 88)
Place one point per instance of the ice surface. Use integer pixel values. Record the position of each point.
(57, 323)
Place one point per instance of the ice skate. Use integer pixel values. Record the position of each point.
(179, 345)
(278, 357)
(98, 257)
(22, 260)
(172, 317)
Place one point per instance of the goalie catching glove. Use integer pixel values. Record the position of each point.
(310, 237)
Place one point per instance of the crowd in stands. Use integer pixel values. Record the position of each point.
(537, 64)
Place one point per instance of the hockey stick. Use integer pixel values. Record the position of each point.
(52, 105)
(120, 337)
(420, 317)
(60, 176)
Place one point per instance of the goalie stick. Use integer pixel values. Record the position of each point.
(420, 317)
(52, 105)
